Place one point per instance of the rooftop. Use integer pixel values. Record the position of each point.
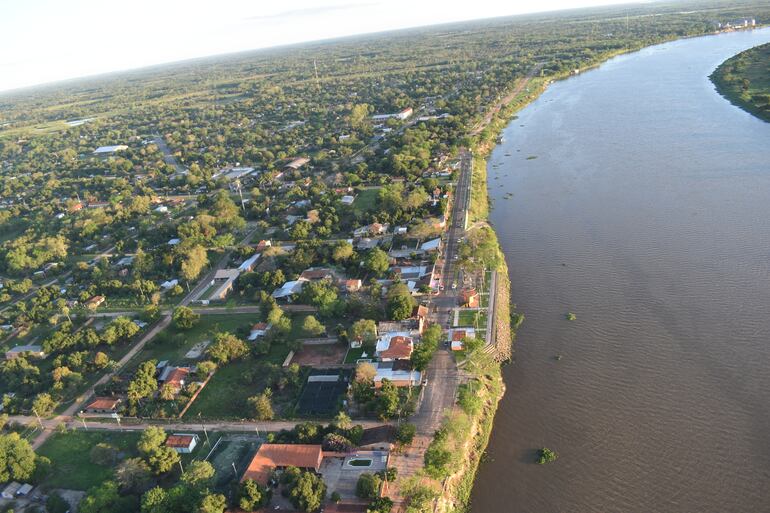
(270, 456)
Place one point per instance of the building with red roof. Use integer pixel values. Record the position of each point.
(271, 457)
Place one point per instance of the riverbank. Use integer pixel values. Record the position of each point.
(744, 81)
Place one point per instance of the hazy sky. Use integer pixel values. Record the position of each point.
(46, 40)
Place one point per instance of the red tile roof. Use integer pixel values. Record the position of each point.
(179, 440)
(399, 347)
(177, 376)
(458, 335)
(270, 456)
(103, 403)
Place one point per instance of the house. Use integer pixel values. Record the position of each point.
(404, 114)
(263, 245)
(348, 200)
(225, 278)
(174, 242)
(174, 376)
(163, 209)
(103, 405)
(125, 261)
(28, 350)
(469, 298)
(9, 492)
(260, 329)
(394, 346)
(95, 302)
(456, 337)
(431, 245)
(169, 284)
(400, 230)
(353, 285)
(272, 457)
(107, 150)
(296, 163)
(288, 289)
(401, 377)
(182, 443)
(248, 265)
(24, 490)
(317, 274)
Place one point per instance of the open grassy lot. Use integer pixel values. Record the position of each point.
(172, 344)
(69, 452)
(467, 317)
(366, 200)
(226, 394)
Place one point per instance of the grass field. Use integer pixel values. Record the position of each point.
(366, 200)
(467, 317)
(225, 395)
(69, 455)
(353, 354)
(172, 344)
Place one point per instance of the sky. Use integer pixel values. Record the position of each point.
(48, 40)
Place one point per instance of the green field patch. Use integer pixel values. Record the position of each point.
(71, 466)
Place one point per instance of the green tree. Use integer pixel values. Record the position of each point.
(405, 433)
(252, 495)
(43, 404)
(261, 405)
(17, 459)
(152, 446)
(342, 252)
(185, 318)
(106, 499)
(198, 474)
(400, 302)
(194, 260)
(213, 503)
(133, 475)
(144, 383)
(312, 326)
(307, 492)
(368, 486)
(364, 331)
(377, 261)
(56, 504)
(386, 404)
(380, 505)
(227, 347)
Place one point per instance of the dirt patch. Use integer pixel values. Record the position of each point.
(329, 354)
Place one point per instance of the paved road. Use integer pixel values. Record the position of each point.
(508, 98)
(442, 373)
(133, 425)
(212, 310)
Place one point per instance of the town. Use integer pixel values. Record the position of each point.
(267, 281)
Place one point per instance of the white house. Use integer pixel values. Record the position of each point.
(182, 443)
(106, 150)
(289, 289)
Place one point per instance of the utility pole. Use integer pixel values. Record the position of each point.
(234, 471)
(180, 466)
(85, 426)
(240, 193)
(204, 430)
(38, 419)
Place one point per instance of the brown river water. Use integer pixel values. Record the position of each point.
(646, 212)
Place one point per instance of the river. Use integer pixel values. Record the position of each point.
(641, 202)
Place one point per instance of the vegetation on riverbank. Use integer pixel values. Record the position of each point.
(744, 80)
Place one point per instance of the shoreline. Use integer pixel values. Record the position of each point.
(458, 486)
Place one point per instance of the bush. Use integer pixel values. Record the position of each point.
(368, 486)
(546, 455)
(405, 433)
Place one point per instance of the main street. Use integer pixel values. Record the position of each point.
(442, 373)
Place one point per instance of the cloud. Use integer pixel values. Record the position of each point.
(310, 11)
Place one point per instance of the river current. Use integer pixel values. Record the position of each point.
(636, 197)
